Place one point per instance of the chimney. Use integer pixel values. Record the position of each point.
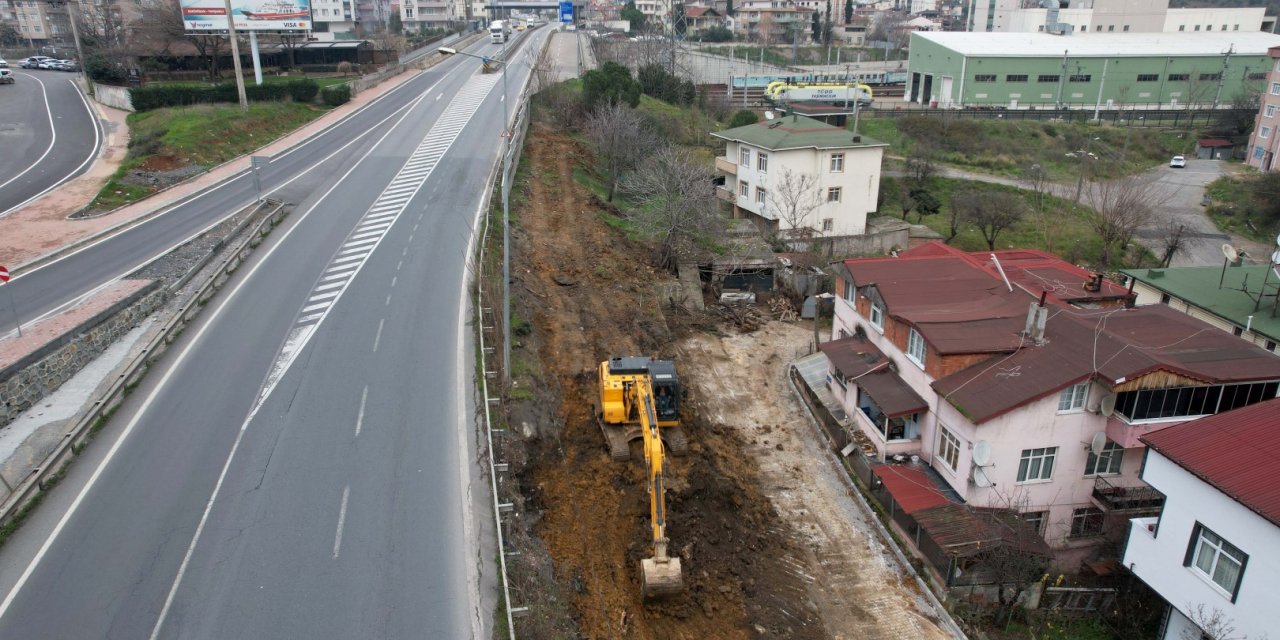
(1037, 315)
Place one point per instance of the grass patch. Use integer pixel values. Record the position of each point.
(1008, 147)
(323, 81)
(203, 135)
(1242, 204)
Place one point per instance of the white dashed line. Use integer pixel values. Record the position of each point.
(342, 521)
(364, 395)
(377, 338)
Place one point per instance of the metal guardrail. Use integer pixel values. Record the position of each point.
(35, 482)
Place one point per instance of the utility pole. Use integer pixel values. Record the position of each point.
(1226, 63)
(1062, 78)
(235, 57)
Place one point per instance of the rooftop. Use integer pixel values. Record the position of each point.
(795, 132)
(1237, 452)
(1119, 45)
(1199, 286)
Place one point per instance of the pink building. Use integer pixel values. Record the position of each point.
(1265, 140)
(1022, 382)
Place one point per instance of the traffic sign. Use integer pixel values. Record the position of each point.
(4, 274)
(566, 12)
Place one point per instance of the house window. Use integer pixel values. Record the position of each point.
(833, 194)
(1257, 76)
(1271, 346)
(984, 77)
(1258, 152)
(1197, 27)
(837, 162)
(1205, 77)
(1179, 77)
(1164, 298)
(1036, 520)
(1237, 331)
(948, 447)
(762, 162)
(877, 316)
(915, 347)
(1016, 77)
(760, 194)
(1182, 27)
(1126, 27)
(1047, 77)
(1111, 27)
(1148, 77)
(1086, 522)
(828, 224)
(1036, 464)
(744, 156)
(1080, 77)
(1217, 559)
(1264, 132)
(1186, 402)
(743, 190)
(1106, 463)
(1269, 111)
(1072, 398)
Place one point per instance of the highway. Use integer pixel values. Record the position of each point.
(301, 465)
(48, 132)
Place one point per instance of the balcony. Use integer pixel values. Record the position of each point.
(1117, 498)
(726, 195)
(723, 164)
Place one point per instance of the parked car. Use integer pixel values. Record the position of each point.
(6, 76)
(64, 65)
(33, 62)
(4, 64)
(47, 63)
(1178, 162)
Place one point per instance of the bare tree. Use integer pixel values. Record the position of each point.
(1036, 180)
(1213, 624)
(158, 28)
(906, 197)
(1121, 206)
(620, 138)
(922, 166)
(1173, 242)
(793, 198)
(964, 207)
(677, 203)
(997, 211)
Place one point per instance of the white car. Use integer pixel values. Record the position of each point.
(4, 64)
(1178, 162)
(6, 76)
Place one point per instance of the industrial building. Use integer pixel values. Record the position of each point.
(1094, 71)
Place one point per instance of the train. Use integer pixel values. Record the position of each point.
(781, 91)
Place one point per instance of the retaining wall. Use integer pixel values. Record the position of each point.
(117, 97)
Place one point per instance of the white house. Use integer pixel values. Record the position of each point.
(766, 165)
(1214, 551)
(1026, 383)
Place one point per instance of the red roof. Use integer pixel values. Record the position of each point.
(1214, 143)
(698, 12)
(910, 488)
(1238, 452)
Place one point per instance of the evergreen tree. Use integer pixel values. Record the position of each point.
(848, 11)
(728, 7)
(816, 27)
(826, 28)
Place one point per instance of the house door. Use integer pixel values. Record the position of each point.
(944, 96)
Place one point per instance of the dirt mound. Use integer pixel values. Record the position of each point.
(587, 294)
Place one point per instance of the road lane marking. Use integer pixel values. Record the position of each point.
(388, 302)
(342, 521)
(364, 395)
(393, 281)
(399, 264)
(377, 338)
(93, 153)
(53, 134)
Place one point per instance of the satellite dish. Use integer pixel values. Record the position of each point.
(768, 115)
(980, 478)
(1275, 257)
(1108, 404)
(982, 453)
(1229, 252)
(1098, 443)
(1278, 241)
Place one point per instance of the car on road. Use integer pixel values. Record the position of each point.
(33, 62)
(6, 76)
(1178, 162)
(64, 65)
(4, 64)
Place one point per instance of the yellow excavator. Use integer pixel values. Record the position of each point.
(640, 396)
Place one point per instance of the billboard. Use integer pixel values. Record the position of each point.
(250, 15)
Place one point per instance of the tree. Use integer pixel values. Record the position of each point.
(999, 210)
(610, 84)
(633, 15)
(1173, 242)
(1013, 559)
(827, 29)
(848, 11)
(922, 166)
(1244, 108)
(905, 201)
(159, 26)
(717, 33)
(816, 26)
(793, 198)
(1212, 624)
(9, 35)
(728, 7)
(621, 139)
(396, 24)
(1121, 206)
(1036, 180)
(677, 204)
(963, 205)
(743, 118)
(927, 204)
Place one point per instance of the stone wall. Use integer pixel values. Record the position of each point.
(27, 381)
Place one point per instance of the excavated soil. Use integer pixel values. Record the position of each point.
(587, 293)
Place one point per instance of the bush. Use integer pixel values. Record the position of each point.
(611, 84)
(302, 89)
(743, 118)
(656, 81)
(99, 69)
(335, 95)
(716, 34)
(344, 68)
(158, 96)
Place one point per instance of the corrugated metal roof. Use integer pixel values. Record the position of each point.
(910, 488)
(964, 531)
(895, 397)
(795, 132)
(1238, 452)
(1199, 286)
(852, 356)
(1116, 45)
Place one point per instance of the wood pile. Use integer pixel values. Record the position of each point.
(782, 310)
(744, 316)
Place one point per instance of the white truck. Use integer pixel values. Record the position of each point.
(499, 31)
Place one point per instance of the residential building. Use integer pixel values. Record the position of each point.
(1265, 139)
(1224, 297)
(794, 173)
(1115, 16)
(426, 14)
(1024, 382)
(1103, 70)
(699, 19)
(1214, 550)
(333, 20)
(770, 21)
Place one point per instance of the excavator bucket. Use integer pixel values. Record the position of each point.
(660, 577)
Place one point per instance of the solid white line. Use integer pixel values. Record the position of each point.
(53, 132)
(93, 153)
(342, 520)
(377, 338)
(364, 395)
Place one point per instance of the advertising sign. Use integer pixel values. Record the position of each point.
(566, 12)
(250, 15)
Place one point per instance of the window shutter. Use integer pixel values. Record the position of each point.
(1191, 546)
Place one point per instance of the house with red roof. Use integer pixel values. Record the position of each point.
(1214, 550)
(1024, 382)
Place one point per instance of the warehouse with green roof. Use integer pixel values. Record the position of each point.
(1085, 71)
(1240, 299)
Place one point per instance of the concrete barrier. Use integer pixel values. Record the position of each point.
(117, 97)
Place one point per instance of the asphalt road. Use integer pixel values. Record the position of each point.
(301, 466)
(48, 132)
(1180, 192)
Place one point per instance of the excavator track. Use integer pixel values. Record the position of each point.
(676, 440)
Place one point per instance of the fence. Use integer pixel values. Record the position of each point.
(1133, 117)
(1077, 600)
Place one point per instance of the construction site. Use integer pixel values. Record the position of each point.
(770, 537)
